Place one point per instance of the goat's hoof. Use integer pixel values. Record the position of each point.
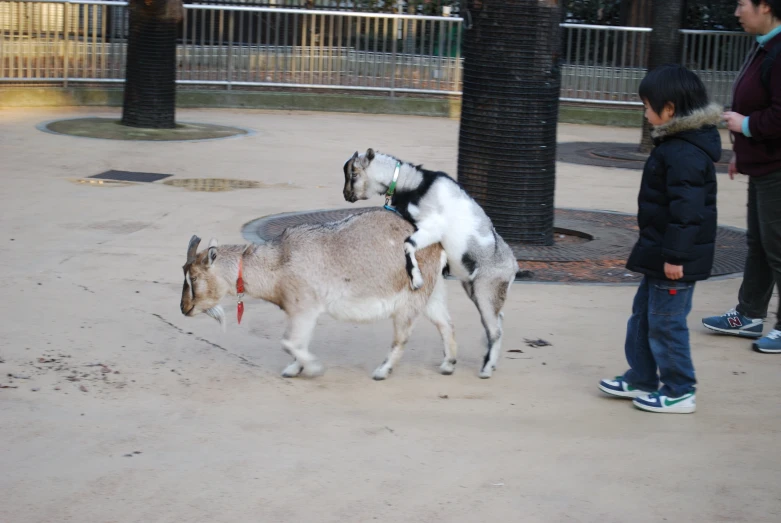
(486, 373)
(381, 373)
(292, 370)
(313, 370)
(447, 368)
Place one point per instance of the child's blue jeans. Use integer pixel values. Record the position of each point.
(657, 338)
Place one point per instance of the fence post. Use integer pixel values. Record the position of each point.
(394, 47)
(66, 52)
(230, 49)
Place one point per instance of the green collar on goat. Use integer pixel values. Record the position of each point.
(392, 187)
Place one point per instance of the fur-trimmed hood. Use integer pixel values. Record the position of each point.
(696, 128)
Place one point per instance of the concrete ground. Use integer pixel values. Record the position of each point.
(126, 411)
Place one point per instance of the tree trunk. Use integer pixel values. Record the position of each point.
(507, 138)
(150, 75)
(665, 47)
(635, 13)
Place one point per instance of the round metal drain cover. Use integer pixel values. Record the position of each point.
(609, 154)
(112, 129)
(211, 184)
(591, 247)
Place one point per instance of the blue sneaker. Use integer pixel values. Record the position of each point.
(619, 387)
(736, 324)
(770, 344)
(656, 402)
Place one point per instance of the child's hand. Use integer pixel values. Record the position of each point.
(673, 272)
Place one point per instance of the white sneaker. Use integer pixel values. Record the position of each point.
(656, 402)
(619, 387)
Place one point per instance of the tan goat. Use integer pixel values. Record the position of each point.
(353, 269)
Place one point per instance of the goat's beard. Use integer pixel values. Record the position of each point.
(218, 314)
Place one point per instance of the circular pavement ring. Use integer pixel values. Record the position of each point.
(611, 154)
(600, 260)
(112, 129)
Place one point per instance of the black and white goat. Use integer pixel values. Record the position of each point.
(442, 212)
(352, 269)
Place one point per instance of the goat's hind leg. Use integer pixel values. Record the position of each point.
(489, 296)
(402, 327)
(420, 239)
(296, 343)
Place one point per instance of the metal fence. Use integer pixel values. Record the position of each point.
(62, 42)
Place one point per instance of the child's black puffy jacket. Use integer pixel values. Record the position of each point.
(677, 201)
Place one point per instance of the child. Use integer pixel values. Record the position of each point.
(677, 221)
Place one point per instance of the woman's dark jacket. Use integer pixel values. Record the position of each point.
(760, 154)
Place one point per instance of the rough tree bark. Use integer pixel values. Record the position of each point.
(664, 47)
(509, 115)
(150, 75)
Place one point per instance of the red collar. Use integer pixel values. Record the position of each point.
(240, 291)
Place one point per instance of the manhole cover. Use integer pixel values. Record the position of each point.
(609, 154)
(211, 184)
(131, 176)
(112, 129)
(591, 246)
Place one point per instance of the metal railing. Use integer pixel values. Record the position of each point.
(86, 40)
(245, 46)
(59, 42)
(603, 64)
(716, 56)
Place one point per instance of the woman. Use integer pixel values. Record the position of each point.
(755, 124)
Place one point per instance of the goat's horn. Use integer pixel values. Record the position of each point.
(192, 248)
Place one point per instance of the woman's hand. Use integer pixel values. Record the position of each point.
(673, 272)
(733, 167)
(734, 121)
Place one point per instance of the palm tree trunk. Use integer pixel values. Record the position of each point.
(509, 115)
(665, 46)
(150, 74)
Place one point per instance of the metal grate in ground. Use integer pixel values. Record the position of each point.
(591, 246)
(622, 155)
(131, 176)
(211, 184)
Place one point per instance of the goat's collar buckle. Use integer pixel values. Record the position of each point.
(392, 187)
(240, 292)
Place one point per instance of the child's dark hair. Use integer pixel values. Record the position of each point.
(774, 5)
(675, 84)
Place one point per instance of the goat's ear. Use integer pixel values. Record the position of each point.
(354, 156)
(367, 158)
(211, 255)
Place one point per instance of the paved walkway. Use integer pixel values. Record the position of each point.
(126, 411)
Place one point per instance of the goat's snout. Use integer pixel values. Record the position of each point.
(185, 310)
(349, 195)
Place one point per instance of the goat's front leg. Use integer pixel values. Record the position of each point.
(437, 312)
(420, 239)
(301, 324)
(402, 327)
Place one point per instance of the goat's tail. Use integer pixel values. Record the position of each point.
(443, 267)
